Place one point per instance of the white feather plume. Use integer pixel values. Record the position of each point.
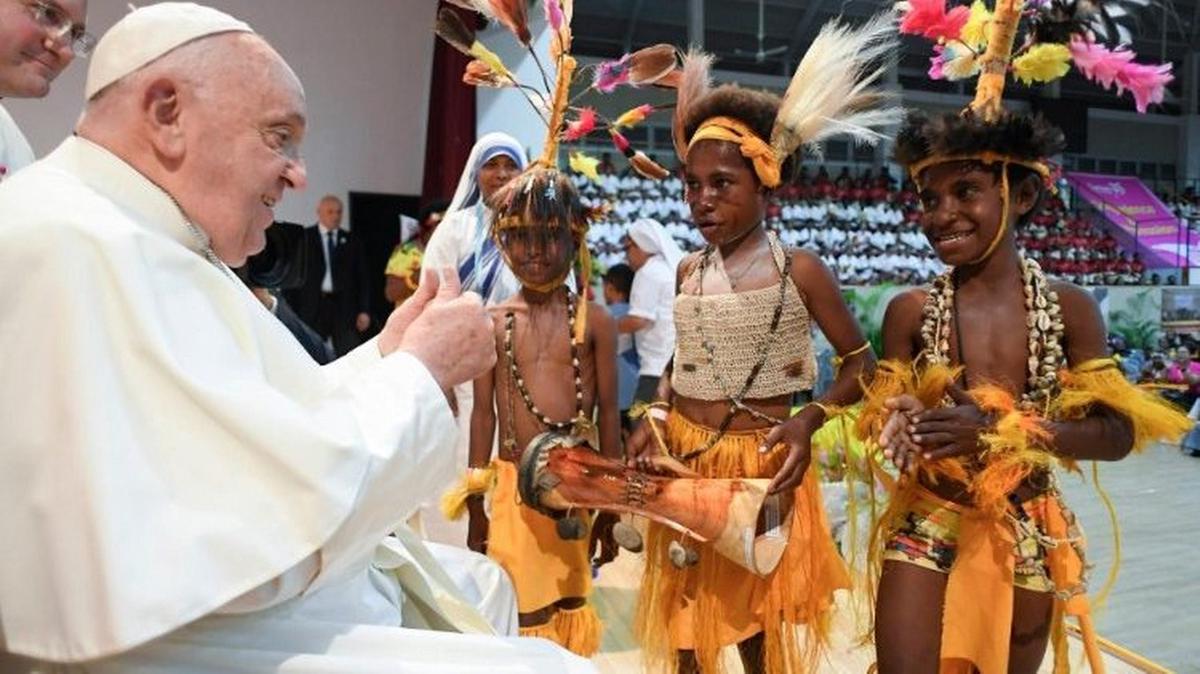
(694, 82)
(831, 92)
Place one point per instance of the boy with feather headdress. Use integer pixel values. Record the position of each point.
(556, 368)
(994, 374)
(556, 373)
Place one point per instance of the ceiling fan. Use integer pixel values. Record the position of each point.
(762, 54)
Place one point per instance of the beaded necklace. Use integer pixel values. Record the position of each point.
(1043, 321)
(577, 422)
(736, 402)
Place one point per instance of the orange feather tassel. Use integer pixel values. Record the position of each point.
(647, 167)
(514, 14)
(651, 64)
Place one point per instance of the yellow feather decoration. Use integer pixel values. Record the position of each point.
(892, 378)
(1100, 382)
(633, 116)
(974, 34)
(1015, 448)
(489, 57)
(895, 378)
(581, 163)
(1042, 63)
(474, 481)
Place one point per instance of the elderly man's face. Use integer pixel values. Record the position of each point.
(329, 213)
(244, 153)
(32, 50)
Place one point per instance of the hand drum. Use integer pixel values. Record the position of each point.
(560, 472)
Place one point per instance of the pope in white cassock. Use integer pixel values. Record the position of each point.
(183, 489)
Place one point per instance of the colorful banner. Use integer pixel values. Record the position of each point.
(1137, 214)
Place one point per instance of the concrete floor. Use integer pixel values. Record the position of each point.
(1153, 607)
(1152, 610)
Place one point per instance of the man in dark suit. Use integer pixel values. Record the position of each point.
(333, 299)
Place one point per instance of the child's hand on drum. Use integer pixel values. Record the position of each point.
(603, 548)
(641, 448)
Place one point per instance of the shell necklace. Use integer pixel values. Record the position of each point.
(1043, 319)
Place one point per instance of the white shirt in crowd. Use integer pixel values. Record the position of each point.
(653, 298)
(327, 280)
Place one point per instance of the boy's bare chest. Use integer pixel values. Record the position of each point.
(993, 344)
(540, 377)
(539, 344)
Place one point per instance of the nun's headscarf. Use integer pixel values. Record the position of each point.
(409, 228)
(490, 145)
(653, 238)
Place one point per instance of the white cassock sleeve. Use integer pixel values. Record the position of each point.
(169, 447)
(15, 153)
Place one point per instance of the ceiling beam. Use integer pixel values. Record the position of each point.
(633, 20)
(695, 23)
(1195, 26)
(810, 13)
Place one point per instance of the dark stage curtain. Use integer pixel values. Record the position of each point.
(451, 130)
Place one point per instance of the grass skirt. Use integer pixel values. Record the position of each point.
(544, 568)
(717, 603)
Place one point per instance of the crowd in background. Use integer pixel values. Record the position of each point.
(1172, 365)
(1071, 248)
(1185, 204)
(866, 228)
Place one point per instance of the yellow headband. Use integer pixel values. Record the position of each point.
(766, 164)
(986, 158)
(583, 258)
(983, 157)
(520, 220)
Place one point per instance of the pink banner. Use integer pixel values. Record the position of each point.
(1137, 213)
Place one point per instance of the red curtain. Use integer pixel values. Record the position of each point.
(451, 129)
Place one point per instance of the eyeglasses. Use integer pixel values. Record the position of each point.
(60, 27)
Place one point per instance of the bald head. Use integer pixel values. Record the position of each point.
(217, 123)
(329, 212)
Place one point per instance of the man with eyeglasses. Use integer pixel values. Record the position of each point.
(182, 488)
(38, 39)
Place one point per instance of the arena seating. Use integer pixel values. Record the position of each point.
(866, 228)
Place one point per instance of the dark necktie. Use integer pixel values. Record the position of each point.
(330, 247)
